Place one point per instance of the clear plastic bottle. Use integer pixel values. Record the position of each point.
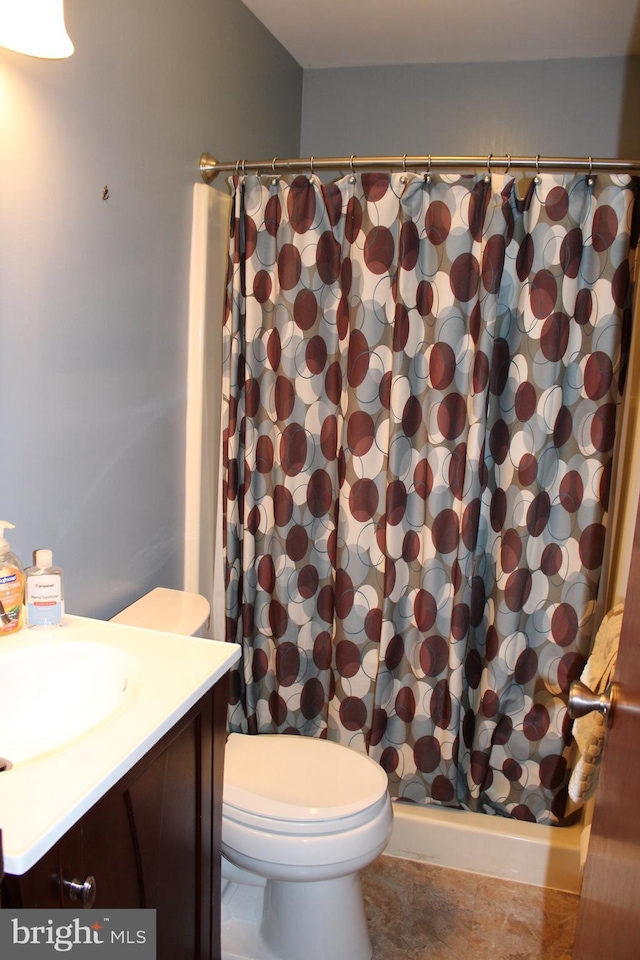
(44, 592)
(11, 586)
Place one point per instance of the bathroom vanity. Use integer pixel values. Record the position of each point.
(130, 814)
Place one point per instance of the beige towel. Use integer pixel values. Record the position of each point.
(589, 731)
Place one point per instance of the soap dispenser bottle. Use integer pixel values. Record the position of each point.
(11, 586)
(44, 592)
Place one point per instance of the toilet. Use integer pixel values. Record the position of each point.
(300, 817)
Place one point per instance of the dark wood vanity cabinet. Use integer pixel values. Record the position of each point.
(152, 841)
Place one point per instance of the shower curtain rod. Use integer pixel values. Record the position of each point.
(210, 167)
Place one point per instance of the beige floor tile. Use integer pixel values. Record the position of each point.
(420, 912)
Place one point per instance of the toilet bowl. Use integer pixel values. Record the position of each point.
(300, 817)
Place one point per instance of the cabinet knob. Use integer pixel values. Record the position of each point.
(79, 892)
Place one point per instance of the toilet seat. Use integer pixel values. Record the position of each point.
(268, 813)
(306, 828)
(297, 779)
(267, 849)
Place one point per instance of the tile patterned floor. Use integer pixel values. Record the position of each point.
(420, 912)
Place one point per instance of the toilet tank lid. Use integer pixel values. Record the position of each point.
(299, 778)
(172, 611)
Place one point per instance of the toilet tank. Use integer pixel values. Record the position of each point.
(173, 611)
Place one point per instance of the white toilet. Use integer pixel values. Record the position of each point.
(300, 817)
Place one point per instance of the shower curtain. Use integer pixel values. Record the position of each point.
(421, 380)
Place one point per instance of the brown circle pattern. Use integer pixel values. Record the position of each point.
(422, 383)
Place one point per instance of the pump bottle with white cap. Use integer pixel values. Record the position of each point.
(11, 586)
(44, 592)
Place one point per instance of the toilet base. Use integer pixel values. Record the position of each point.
(324, 919)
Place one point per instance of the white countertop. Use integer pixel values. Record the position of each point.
(41, 799)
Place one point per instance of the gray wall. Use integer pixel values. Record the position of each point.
(94, 293)
(551, 107)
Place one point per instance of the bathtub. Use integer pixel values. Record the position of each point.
(492, 846)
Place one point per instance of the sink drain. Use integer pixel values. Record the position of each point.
(5, 764)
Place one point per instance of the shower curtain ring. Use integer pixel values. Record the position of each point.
(590, 166)
(538, 165)
(311, 165)
(351, 163)
(508, 164)
(273, 165)
(242, 167)
(487, 176)
(404, 163)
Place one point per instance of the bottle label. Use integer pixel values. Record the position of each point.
(45, 606)
(10, 600)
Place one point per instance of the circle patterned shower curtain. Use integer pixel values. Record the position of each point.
(421, 381)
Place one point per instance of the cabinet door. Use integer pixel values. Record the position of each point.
(146, 840)
(40, 887)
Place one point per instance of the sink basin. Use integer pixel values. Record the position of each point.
(54, 692)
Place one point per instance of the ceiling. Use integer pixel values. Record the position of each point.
(355, 33)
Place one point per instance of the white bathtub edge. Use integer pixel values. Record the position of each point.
(491, 846)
